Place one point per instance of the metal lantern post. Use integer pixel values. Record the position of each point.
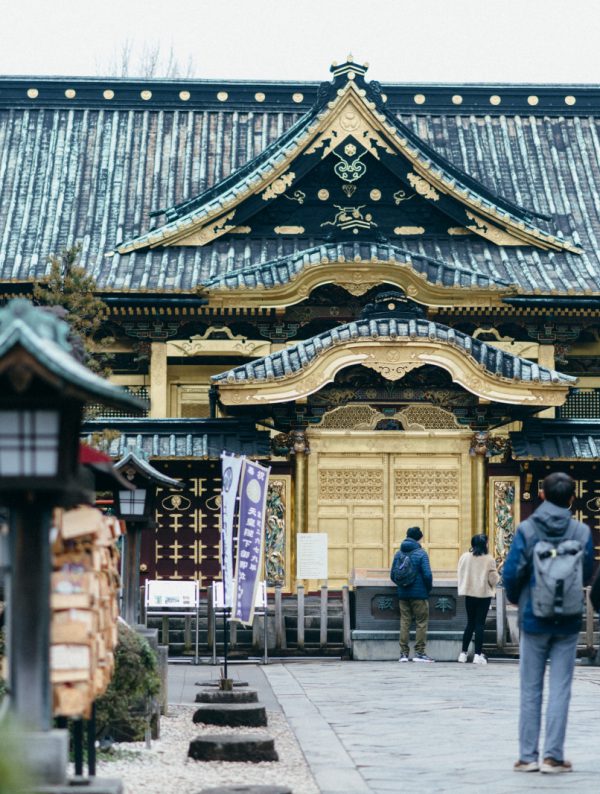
(43, 390)
(137, 508)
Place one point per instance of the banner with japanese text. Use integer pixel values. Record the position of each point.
(231, 471)
(253, 498)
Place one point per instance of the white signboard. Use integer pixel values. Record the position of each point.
(311, 554)
(166, 593)
(260, 602)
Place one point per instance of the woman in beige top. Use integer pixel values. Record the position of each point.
(477, 580)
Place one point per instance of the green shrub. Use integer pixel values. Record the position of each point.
(121, 711)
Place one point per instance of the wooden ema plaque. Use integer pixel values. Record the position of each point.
(84, 598)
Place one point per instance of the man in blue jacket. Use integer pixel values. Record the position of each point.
(543, 639)
(414, 599)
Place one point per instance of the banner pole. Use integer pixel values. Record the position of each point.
(225, 647)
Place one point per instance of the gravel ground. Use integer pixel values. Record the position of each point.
(166, 769)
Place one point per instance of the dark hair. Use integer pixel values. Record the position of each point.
(479, 545)
(414, 533)
(559, 488)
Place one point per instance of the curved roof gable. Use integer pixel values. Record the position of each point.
(393, 346)
(349, 121)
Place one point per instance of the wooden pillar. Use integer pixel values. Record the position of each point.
(158, 380)
(479, 451)
(29, 616)
(546, 359)
(300, 449)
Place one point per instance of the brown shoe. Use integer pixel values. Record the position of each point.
(526, 766)
(550, 766)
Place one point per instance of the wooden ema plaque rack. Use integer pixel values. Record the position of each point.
(84, 599)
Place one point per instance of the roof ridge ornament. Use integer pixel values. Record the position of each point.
(350, 68)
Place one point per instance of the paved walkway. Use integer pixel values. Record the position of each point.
(382, 727)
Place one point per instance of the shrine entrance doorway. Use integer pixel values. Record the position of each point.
(366, 488)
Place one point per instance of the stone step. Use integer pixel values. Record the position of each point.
(233, 715)
(219, 696)
(247, 789)
(233, 747)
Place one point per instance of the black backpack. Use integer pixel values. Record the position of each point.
(402, 572)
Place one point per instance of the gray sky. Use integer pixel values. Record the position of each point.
(403, 40)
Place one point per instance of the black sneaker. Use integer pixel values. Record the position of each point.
(422, 657)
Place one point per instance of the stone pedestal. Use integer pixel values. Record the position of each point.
(233, 747)
(96, 785)
(46, 753)
(232, 714)
(219, 696)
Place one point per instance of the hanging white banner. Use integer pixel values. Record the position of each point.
(231, 471)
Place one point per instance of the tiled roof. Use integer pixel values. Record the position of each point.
(292, 359)
(283, 269)
(181, 438)
(556, 440)
(93, 173)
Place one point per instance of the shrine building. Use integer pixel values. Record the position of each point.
(388, 293)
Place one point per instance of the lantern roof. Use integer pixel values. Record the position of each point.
(36, 341)
(134, 462)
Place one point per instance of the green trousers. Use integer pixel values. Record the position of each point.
(417, 608)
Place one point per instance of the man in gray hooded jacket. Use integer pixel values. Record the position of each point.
(545, 639)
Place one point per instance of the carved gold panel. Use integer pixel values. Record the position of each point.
(438, 484)
(362, 485)
(504, 500)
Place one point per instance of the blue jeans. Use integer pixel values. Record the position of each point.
(535, 650)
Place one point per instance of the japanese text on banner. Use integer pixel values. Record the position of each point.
(232, 468)
(253, 497)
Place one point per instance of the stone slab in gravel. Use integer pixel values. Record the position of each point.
(218, 696)
(232, 714)
(215, 682)
(247, 790)
(166, 769)
(233, 747)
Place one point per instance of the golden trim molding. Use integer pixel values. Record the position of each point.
(357, 278)
(393, 358)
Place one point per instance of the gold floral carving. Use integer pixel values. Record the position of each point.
(491, 232)
(351, 485)
(391, 363)
(279, 186)
(423, 187)
(208, 233)
(409, 230)
(289, 230)
(440, 485)
(351, 119)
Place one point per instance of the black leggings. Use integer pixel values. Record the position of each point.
(477, 609)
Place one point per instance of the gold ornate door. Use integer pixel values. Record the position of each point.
(366, 488)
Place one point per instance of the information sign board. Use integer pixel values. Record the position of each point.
(168, 593)
(311, 555)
